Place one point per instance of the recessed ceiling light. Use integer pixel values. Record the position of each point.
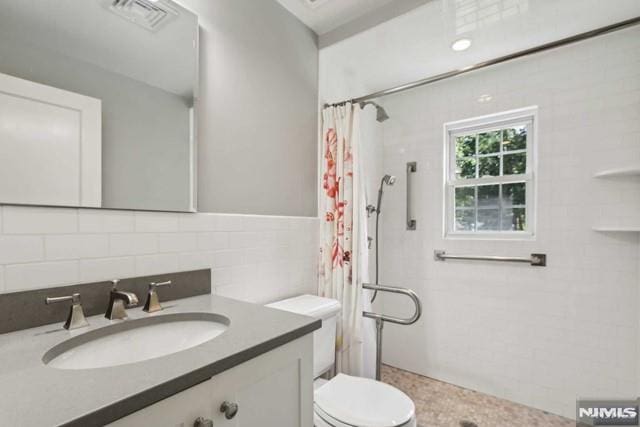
(461, 44)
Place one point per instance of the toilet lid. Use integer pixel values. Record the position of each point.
(364, 402)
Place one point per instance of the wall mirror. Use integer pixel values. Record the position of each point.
(97, 104)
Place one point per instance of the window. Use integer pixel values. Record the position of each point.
(489, 179)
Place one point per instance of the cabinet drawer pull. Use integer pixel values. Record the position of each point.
(229, 409)
(202, 422)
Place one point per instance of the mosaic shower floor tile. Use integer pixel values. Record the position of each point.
(439, 404)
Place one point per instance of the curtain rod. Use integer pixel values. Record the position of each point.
(523, 53)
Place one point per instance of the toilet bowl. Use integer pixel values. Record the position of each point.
(346, 401)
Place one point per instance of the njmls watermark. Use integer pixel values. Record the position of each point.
(594, 412)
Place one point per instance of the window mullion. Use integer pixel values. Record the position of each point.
(492, 180)
(477, 157)
(501, 153)
(475, 217)
(500, 212)
(500, 207)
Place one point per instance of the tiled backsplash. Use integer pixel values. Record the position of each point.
(26, 309)
(253, 258)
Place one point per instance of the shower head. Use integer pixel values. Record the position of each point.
(381, 113)
(386, 180)
(389, 180)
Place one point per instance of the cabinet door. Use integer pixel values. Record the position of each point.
(280, 396)
(50, 145)
(271, 390)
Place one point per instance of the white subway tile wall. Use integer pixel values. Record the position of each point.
(95, 270)
(24, 220)
(40, 274)
(100, 221)
(538, 336)
(15, 249)
(254, 258)
(76, 246)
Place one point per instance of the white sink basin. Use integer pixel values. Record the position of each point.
(136, 340)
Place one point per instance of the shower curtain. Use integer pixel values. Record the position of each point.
(343, 238)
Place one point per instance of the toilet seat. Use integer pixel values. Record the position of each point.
(348, 401)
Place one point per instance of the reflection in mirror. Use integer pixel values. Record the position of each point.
(137, 60)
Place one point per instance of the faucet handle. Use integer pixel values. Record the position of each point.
(154, 285)
(76, 318)
(75, 298)
(153, 302)
(115, 282)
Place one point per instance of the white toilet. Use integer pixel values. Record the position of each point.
(346, 401)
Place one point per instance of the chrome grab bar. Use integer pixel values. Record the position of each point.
(536, 260)
(412, 224)
(392, 319)
(381, 318)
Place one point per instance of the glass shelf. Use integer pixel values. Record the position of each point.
(619, 172)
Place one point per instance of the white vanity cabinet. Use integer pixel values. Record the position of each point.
(274, 389)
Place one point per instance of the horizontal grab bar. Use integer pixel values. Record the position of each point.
(536, 260)
(397, 320)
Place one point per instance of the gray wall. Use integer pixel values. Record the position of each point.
(258, 114)
(145, 131)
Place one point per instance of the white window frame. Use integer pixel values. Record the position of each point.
(524, 116)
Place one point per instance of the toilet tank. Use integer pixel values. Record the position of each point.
(324, 339)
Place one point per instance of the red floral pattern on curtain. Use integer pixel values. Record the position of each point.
(336, 205)
(338, 243)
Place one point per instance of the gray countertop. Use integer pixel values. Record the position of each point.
(32, 393)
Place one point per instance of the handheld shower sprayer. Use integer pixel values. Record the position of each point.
(386, 180)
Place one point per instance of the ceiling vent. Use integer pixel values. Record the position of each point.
(314, 4)
(148, 14)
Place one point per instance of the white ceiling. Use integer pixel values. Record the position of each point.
(85, 30)
(417, 45)
(328, 15)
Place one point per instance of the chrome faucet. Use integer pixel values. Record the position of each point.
(76, 318)
(153, 302)
(119, 301)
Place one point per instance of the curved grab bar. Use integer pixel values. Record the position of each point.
(397, 320)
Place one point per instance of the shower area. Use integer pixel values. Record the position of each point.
(533, 160)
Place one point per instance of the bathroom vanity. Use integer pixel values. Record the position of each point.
(256, 372)
(99, 107)
(264, 391)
